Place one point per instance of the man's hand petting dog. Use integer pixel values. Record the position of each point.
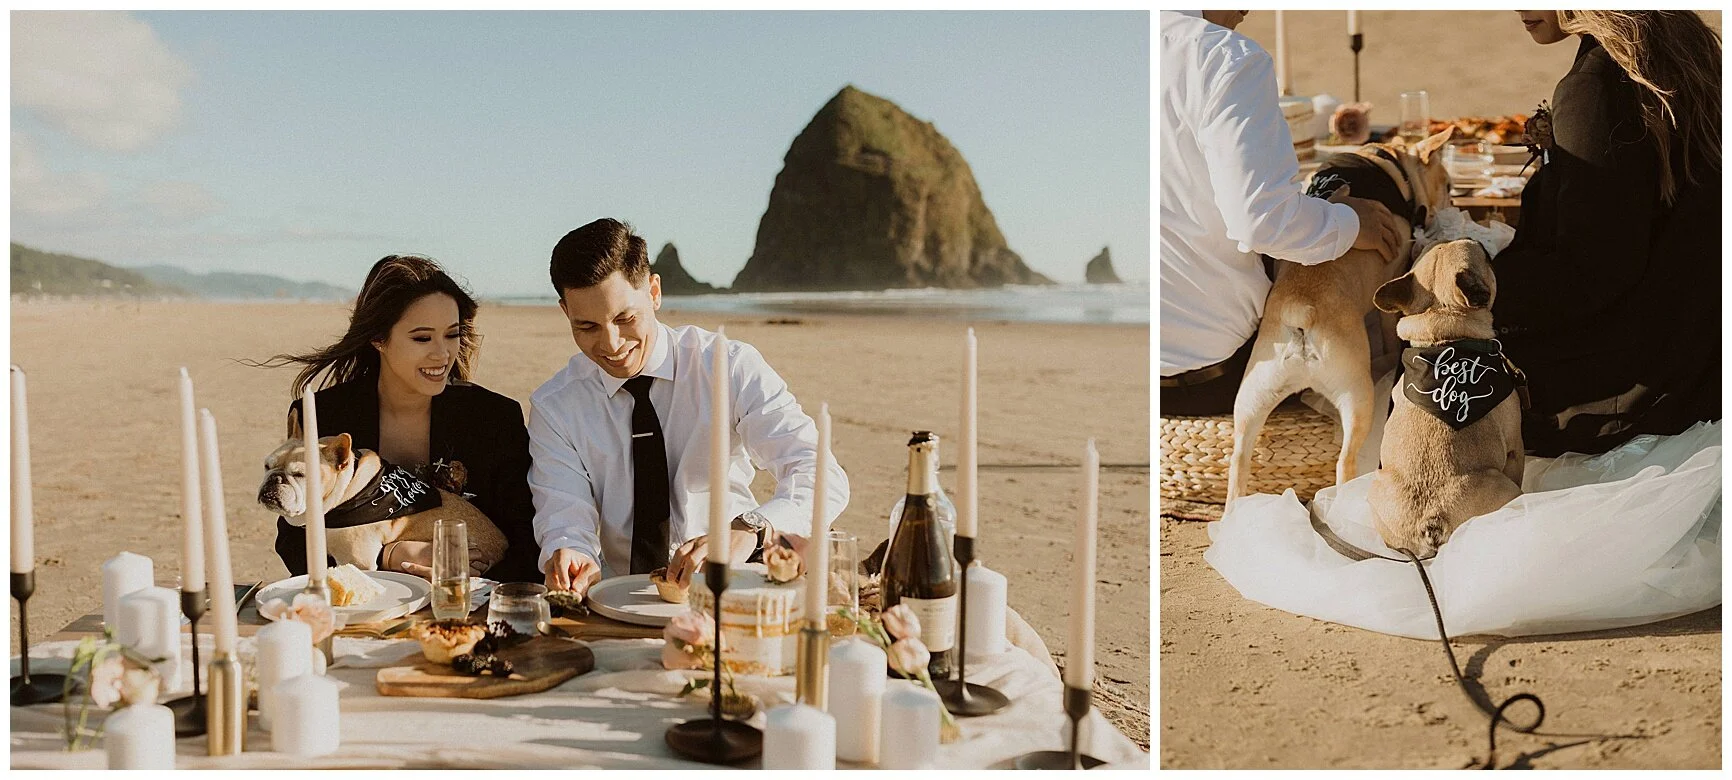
(1377, 229)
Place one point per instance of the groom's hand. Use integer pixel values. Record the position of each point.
(695, 551)
(571, 570)
(1377, 229)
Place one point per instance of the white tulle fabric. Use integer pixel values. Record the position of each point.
(1628, 537)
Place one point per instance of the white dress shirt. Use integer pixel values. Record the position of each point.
(580, 440)
(1228, 192)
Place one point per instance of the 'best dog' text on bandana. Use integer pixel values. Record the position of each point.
(1458, 382)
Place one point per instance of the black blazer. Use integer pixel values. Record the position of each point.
(1608, 298)
(481, 428)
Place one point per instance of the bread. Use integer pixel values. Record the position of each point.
(670, 591)
(443, 640)
(350, 586)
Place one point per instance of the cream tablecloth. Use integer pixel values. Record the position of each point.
(614, 716)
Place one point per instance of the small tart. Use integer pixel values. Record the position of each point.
(670, 591)
(443, 640)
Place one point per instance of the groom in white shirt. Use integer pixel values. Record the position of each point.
(1230, 193)
(620, 436)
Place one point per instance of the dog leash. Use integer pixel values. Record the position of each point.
(1496, 714)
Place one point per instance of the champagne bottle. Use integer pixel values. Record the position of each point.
(918, 570)
(946, 509)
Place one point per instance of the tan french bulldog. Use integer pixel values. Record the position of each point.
(369, 503)
(1452, 448)
(1312, 335)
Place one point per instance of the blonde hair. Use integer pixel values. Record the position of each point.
(1674, 58)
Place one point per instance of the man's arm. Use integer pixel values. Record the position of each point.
(1248, 152)
(566, 516)
(783, 440)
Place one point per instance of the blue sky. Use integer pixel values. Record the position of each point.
(310, 144)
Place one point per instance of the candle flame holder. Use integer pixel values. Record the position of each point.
(962, 698)
(189, 714)
(27, 688)
(322, 588)
(1076, 705)
(716, 740)
(812, 675)
(226, 707)
(1356, 42)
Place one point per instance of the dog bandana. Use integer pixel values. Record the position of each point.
(1368, 180)
(1458, 382)
(395, 492)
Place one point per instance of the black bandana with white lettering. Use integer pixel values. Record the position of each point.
(1458, 382)
(395, 492)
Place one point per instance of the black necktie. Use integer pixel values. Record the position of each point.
(649, 465)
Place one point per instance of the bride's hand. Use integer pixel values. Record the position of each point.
(410, 557)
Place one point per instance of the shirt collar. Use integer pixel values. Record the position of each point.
(1192, 14)
(660, 364)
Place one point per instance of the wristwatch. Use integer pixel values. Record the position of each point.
(756, 523)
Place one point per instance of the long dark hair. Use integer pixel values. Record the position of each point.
(395, 282)
(1674, 58)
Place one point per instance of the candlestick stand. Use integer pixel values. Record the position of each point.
(962, 698)
(716, 740)
(1358, 42)
(812, 676)
(226, 710)
(189, 717)
(1076, 705)
(322, 589)
(30, 689)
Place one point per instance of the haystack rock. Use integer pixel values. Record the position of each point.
(870, 198)
(675, 279)
(1100, 269)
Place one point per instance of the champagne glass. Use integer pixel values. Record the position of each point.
(843, 591)
(450, 569)
(1415, 116)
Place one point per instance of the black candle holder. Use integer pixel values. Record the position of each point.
(1076, 705)
(1357, 43)
(962, 698)
(189, 715)
(716, 740)
(30, 689)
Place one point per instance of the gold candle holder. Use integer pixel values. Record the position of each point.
(322, 589)
(225, 706)
(812, 675)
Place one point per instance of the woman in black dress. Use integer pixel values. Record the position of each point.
(397, 382)
(1609, 296)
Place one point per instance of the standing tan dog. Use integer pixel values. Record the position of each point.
(370, 503)
(1452, 449)
(1312, 335)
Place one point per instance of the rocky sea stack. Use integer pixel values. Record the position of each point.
(870, 198)
(675, 279)
(1100, 269)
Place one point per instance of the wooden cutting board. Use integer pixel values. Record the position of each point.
(539, 663)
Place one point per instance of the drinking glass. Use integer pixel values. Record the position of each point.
(450, 569)
(1468, 160)
(843, 591)
(522, 605)
(1415, 115)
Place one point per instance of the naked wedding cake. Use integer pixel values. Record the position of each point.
(1301, 118)
(760, 621)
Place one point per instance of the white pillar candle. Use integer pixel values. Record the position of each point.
(121, 575)
(191, 504)
(1352, 22)
(23, 524)
(315, 509)
(283, 653)
(987, 591)
(856, 698)
(968, 457)
(908, 729)
(1283, 86)
(1079, 661)
(139, 737)
(799, 736)
(150, 623)
(216, 537)
(721, 419)
(307, 717)
(818, 544)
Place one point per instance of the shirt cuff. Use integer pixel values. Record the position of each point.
(551, 546)
(788, 517)
(1346, 227)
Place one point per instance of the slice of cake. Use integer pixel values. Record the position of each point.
(1301, 119)
(351, 586)
(760, 622)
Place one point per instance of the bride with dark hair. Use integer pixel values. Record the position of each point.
(1609, 296)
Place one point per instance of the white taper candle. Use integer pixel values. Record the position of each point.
(1352, 22)
(968, 459)
(721, 422)
(315, 509)
(23, 522)
(1079, 659)
(818, 544)
(1283, 85)
(191, 503)
(216, 537)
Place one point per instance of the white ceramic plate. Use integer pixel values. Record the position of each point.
(404, 593)
(632, 599)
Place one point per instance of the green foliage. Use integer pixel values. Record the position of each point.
(46, 273)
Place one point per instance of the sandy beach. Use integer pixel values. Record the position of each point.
(1247, 686)
(106, 459)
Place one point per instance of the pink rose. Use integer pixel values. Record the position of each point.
(308, 609)
(107, 679)
(782, 564)
(909, 656)
(900, 622)
(1351, 123)
(675, 658)
(139, 686)
(689, 628)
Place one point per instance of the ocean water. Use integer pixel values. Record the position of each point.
(1101, 304)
